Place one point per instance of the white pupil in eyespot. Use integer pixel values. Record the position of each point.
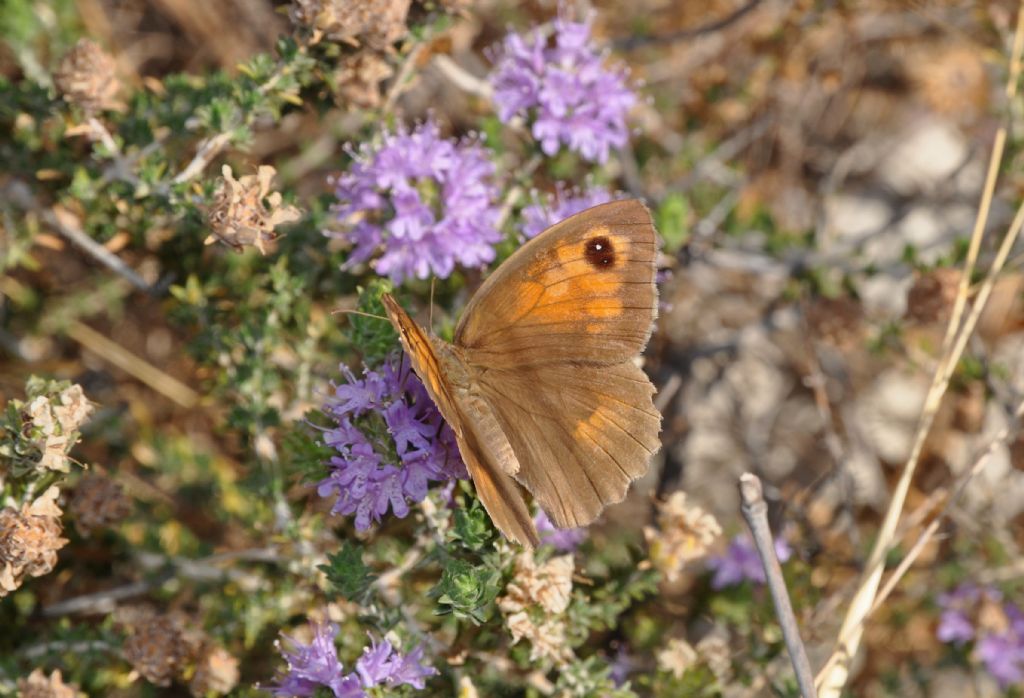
(598, 247)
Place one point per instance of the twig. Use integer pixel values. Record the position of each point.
(708, 28)
(755, 511)
(138, 367)
(66, 224)
(404, 73)
(933, 527)
(463, 79)
(208, 149)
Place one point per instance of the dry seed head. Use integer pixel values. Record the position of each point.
(87, 77)
(359, 77)
(157, 649)
(98, 502)
(376, 23)
(29, 540)
(216, 672)
(684, 534)
(244, 212)
(39, 685)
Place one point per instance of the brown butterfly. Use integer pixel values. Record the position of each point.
(540, 384)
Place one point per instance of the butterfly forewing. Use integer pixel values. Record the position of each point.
(583, 289)
(483, 445)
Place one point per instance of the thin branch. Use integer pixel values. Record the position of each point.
(66, 224)
(158, 380)
(755, 511)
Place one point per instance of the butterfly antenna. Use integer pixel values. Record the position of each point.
(343, 311)
(430, 314)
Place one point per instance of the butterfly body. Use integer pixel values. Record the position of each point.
(540, 384)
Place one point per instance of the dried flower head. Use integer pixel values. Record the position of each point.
(39, 685)
(29, 540)
(157, 648)
(359, 76)
(424, 202)
(835, 321)
(677, 657)
(684, 533)
(564, 91)
(933, 295)
(216, 672)
(714, 651)
(244, 212)
(545, 212)
(87, 77)
(98, 502)
(534, 605)
(49, 426)
(548, 585)
(391, 442)
(376, 23)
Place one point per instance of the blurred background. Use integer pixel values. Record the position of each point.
(815, 168)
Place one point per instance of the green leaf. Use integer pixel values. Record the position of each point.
(671, 218)
(348, 574)
(473, 526)
(467, 591)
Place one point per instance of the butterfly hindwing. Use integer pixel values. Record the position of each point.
(581, 433)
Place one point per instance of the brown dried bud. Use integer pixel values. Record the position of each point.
(216, 672)
(157, 649)
(376, 23)
(239, 216)
(29, 540)
(932, 296)
(98, 502)
(835, 321)
(87, 77)
(39, 685)
(359, 77)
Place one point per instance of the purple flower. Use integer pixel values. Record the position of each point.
(424, 202)
(997, 629)
(390, 441)
(315, 664)
(741, 563)
(565, 540)
(1003, 657)
(541, 215)
(954, 624)
(381, 664)
(564, 90)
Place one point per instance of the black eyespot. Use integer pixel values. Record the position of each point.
(599, 252)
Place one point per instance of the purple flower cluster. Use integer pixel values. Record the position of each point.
(316, 664)
(741, 563)
(391, 441)
(541, 215)
(564, 540)
(567, 93)
(997, 631)
(425, 202)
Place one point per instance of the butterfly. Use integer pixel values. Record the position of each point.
(540, 383)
